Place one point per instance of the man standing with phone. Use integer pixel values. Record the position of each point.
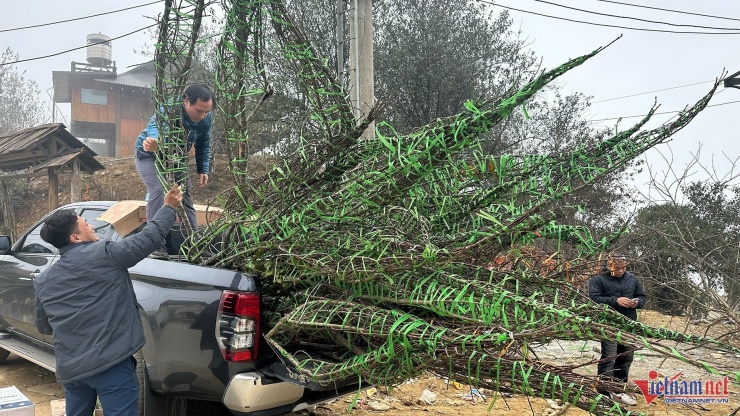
(621, 290)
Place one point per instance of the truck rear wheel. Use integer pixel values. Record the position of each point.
(151, 404)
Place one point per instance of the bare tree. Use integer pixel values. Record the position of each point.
(20, 105)
(20, 108)
(687, 244)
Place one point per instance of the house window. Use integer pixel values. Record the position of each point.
(89, 96)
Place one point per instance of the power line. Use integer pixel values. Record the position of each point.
(671, 11)
(635, 18)
(81, 47)
(662, 112)
(650, 92)
(78, 18)
(606, 25)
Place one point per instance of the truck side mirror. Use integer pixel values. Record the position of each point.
(4, 244)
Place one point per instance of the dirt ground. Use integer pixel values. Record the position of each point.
(40, 387)
(120, 181)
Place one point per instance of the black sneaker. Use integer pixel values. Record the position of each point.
(160, 255)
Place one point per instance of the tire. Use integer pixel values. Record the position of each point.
(141, 377)
(3, 354)
(151, 404)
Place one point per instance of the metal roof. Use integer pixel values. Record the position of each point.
(141, 76)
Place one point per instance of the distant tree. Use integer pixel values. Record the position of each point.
(659, 260)
(432, 56)
(714, 239)
(558, 125)
(689, 246)
(20, 103)
(20, 107)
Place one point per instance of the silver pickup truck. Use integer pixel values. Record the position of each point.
(194, 350)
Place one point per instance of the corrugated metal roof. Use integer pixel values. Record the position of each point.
(142, 76)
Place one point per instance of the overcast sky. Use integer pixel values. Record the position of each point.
(643, 61)
(638, 63)
(52, 39)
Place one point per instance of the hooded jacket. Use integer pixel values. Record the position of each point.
(87, 302)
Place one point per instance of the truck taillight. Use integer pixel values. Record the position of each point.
(238, 325)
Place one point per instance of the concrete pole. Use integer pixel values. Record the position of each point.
(362, 72)
(340, 39)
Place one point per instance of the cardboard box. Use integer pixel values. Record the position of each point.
(125, 216)
(14, 403)
(58, 407)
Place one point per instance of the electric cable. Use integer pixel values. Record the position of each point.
(670, 10)
(78, 18)
(491, 3)
(634, 18)
(659, 113)
(81, 47)
(650, 92)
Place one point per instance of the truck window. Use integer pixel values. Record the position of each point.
(34, 244)
(101, 228)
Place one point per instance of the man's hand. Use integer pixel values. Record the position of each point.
(150, 144)
(627, 302)
(173, 197)
(203, 179)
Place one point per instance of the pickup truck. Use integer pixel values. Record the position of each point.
(202, 326)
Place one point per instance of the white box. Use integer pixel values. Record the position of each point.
(58, 407)
(14, 403)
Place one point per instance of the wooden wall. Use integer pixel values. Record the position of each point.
(128, 131)
(129, 114)
(133, 116)
(94, 113)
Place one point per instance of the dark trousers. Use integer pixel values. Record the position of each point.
(148, 173)
(616, 360)
(117, 388)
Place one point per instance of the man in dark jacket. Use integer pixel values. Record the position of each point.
(87, 302)
(621, 290)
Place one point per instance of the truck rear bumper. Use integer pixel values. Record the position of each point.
(249, 393)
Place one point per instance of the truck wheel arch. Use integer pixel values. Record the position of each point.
(151, 404)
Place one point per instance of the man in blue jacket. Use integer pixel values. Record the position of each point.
(196, 120)
(621, 290)
(87, 302)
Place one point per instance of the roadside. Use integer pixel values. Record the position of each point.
(120, 181)
(450, 399)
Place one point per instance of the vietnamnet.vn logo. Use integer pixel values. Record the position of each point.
(674, 390)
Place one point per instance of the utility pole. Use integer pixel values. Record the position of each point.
(341, 10)
(362, 72)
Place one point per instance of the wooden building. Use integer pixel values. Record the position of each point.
(110, 108)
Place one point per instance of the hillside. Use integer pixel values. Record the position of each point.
(120, 181)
